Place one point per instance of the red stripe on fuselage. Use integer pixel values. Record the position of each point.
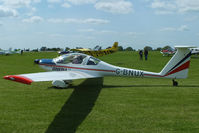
(180, 68)
(79, 68)
(153, 75)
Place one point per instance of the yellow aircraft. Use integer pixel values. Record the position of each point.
(97, 53)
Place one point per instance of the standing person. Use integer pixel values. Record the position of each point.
(146, 54)
(21, 52)
(141, 54)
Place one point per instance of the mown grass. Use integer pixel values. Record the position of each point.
(119, 105)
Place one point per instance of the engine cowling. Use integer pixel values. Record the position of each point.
(60, 84)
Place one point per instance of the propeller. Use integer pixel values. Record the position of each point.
(36, 61)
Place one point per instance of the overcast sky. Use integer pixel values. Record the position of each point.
(87, 23)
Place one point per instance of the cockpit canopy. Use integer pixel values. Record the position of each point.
(76, 58)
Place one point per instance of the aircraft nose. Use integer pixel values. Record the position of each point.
(46, 61)
(36, 61)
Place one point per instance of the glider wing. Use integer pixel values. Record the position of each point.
(49, 76)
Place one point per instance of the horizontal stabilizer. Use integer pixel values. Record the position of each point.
(184, 47)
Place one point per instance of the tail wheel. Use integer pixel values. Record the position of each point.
(175, 83)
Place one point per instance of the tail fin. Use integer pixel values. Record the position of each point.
(115, 46)
(177, 67)
(10, 49)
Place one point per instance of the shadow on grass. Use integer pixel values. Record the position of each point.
(77, 107)
(119, 86)
(194, 57)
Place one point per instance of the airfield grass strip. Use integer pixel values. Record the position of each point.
(120, 105)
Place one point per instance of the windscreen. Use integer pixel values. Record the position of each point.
(73, 59)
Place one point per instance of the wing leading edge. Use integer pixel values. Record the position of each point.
(49, 76)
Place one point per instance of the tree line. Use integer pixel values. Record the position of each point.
(149, 48)
(120, 48)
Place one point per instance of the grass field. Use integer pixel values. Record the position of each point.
(120, 105)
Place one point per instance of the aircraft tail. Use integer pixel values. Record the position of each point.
(115, 46)
(10, 49)
(177, 67)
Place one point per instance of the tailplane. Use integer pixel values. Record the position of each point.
(177, 67)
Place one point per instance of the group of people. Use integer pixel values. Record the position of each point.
(145, 54)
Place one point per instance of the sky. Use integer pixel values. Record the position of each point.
(87, 23)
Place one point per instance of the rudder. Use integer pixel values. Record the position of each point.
(177, 67)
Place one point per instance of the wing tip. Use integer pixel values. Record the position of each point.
(20, 79)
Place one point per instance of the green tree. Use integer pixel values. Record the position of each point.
(43, 48)
(148, 48)
(120, 48)
(158, 49)
(67, 48)
(166, 47)
(129, 49)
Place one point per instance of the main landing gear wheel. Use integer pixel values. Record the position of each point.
(61, 83)
(175, 83)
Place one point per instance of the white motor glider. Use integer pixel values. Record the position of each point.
(168, 52)
(78, 66)
(9, 52)
(194, 51)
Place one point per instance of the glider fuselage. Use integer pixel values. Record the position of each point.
(99, 69)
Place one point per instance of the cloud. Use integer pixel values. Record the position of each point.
(53, 1)
(79, 21)
(111, 6)
(116, 7)
(187, 5)
(134, 33)
(181, 28)
(95, 21)
(36, 1)
(175, 6)
(7, 12)
(12, 7)
(18, 3)
(86, 30)
(110, 32)
(80, 2)
(192, 18)
(66, 5)
(163, 7)
(168, 29)
(34, 19)
(57, 35)
(98, 31)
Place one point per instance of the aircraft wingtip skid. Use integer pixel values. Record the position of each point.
(20, 79)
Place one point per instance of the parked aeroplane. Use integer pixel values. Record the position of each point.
(8, 52)
(97, 51)
(3, 52)
(195, 51)
(64, 52)
(81, 66)
(168, 52)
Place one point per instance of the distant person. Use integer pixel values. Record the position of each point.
(141, 54)
(146, 54)
(21, 52)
